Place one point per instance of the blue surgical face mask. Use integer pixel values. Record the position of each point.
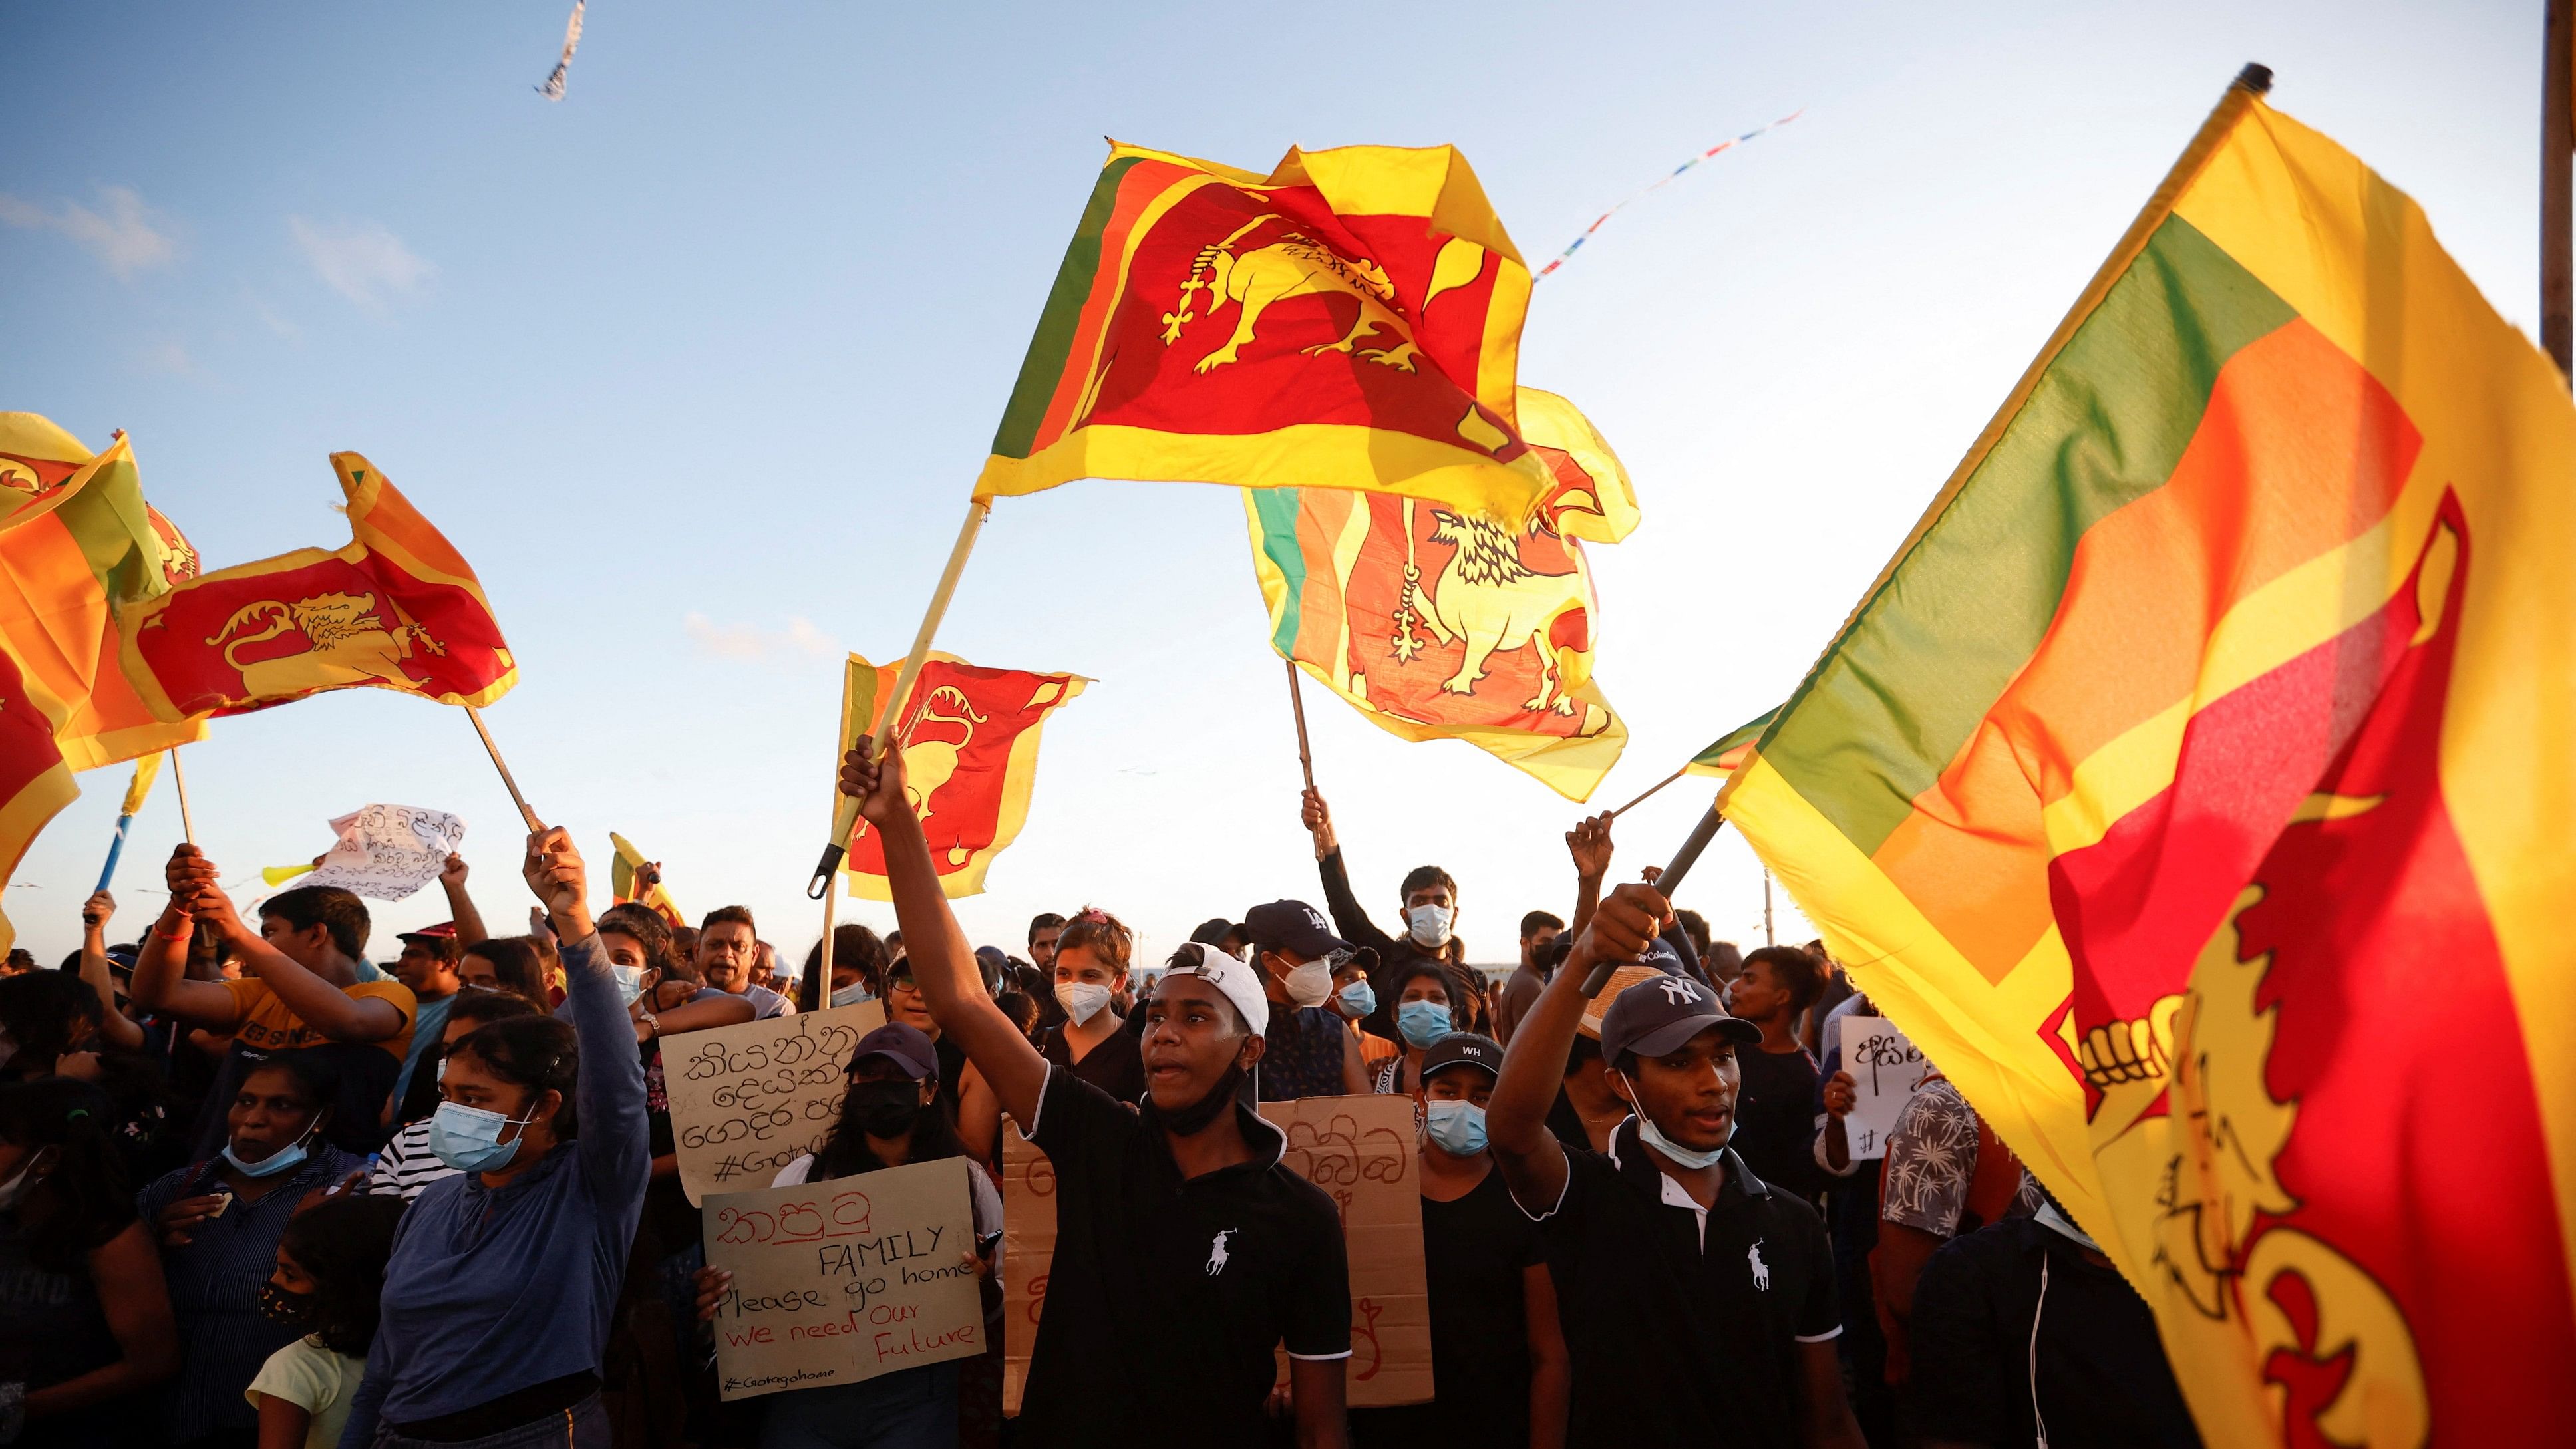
(284, 1159)
(1423, 1022)
(469, 1138)
(1429, 926)
(1682, 1156)
(1459, 1127)
(1358, 999)
(630, 982)
(850, 995)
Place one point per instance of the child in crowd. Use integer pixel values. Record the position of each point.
(330, 1269)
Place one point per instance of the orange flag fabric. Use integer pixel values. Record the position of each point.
(34, 781)
(970, 749)
(397, 608)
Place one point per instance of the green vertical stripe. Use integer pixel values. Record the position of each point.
(1277, 510)
(107, 519)
(1043, 369)
(1742, 734)
(1902, 690)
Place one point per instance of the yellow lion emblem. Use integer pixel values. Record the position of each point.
(1488, 598)
(1293, 266)
(350, 645)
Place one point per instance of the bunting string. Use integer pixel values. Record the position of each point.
(1667, 179)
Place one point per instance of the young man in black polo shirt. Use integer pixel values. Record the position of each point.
(1698, 1301)
(1183, 1247)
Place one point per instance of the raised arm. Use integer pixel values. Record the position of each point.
(615, 1143)
(161, 968)
(1589, 843)
(1348, 917)
(460, 906)
(943, 965)
(321, 1005)
(119, 1030)
(1532, 1160)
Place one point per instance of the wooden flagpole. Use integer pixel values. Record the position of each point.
(179, 782)
(2557, 146)
(1650, 792)
(1297, 706)
(845, 815)
(526, 814)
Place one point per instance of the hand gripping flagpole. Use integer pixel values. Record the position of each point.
(1297, 706)
(845, 817)
(179, 782)
(1666, 883)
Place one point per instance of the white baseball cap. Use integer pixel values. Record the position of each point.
(1230, 974)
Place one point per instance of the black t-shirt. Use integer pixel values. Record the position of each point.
(1115, 1066)
(1190, 1282)
(2103, 1379)
(1474, 1251)
(1679, 1336)
(1775, 1119)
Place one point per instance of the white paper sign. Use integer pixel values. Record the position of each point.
(386, 852)
(1888, 1070)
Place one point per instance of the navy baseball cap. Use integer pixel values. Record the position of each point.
(1463, 1049)
(908, 1047)
(1292, 926)
(1656, 1016)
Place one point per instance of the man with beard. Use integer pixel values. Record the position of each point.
(1181, 1240)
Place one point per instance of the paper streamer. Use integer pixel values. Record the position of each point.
(553, 89)
(1668, 179)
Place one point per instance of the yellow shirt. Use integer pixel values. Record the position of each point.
(267, 1025)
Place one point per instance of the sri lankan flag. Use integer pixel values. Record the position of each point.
(1437, 623)
(970, 759)
(1351, 320)
(1733, 749)
(621, 882)
(2194, 786)
(77, 543)
(397, 608)
(34, 781)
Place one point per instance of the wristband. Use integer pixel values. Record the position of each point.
(183, 933)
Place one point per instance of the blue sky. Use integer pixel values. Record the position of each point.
(698, 365)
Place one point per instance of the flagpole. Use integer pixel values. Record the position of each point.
(489, 748)
(1666, 883)
(823, 977)
(178, 782)
(1767, 938)
(1650, 792)
(845, 816)
(115, 848)
(2557, 142)
(1297, 706)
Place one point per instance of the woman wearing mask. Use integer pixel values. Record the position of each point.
(330, 1272)
(1425, 1011)
(85, 1317)
(504, 963)
(1091, 958)
(220, 1221)
(504, 1278)
(408, 1165)
(1498, 1357)
(857, 956)
(1354, 1001)
(888, 1118)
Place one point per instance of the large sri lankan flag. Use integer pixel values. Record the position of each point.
(2195, 786)
(397, 607)
(1351, 320)
(1440, 624)
(970, 760)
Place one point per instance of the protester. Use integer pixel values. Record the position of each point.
(1311, 1053)
(1430, 912)
(85, 1319)
(1588, 1109)
(727, 944)
(1355, 1001)
(1775, 1118)
(1698, 1302)
(1946, 1174)
(302, 993)
(409, 1161)
(905, 1002)
(2025, 1334)
(219, 1223)
(888, 1118)
(1539, 930)
(1426, 995)
(1093, 954)
(51, 1025)
(330, 1271)
(1045, 928)
(1834, 990)
(506, 963)
(857, 957)
(498, 1298)
(1180, 1200)
(1499, 1363)
(1851, 1220)
(1695, 926)
(428, 967)
(96, 965)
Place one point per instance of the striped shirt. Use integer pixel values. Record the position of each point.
(407, 1165)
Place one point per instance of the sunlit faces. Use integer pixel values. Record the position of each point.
(1423, 987)
(271, 1109)
(725, 953)
(474, 970)
(1689, 1092)
(468, 1082)
(1758, 993)
(1076, 965)
(1042, 946)
(1434, 894)
(1192, 1035)
(904, 1001)
(422, 968)
(1536, 942)
(306, 948)
(624, 951)
(1472, 1085)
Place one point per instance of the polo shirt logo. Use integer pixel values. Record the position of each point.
(1761, 1270)
(1217, 1253)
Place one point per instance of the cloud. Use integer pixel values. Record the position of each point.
(269, 318)
(800, 640)
(126, 235)
(361, 261)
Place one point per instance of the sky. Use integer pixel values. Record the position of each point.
(698, 365)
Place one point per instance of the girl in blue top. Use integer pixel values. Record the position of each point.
(504, 1278)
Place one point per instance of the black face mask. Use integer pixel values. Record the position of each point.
(1198, 1116)
(280, 1306)
(883, 1109)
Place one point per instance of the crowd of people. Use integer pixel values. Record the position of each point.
(257, 1190)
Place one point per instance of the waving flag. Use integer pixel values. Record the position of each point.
(1440, 624)
(397, 608)
(621, 882)
(2194, 788)
(970, 756)
(77, 545)
(1352, 320)
(1732, 750)
(35, 784)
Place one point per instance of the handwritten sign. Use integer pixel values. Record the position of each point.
(747, 1100)
(387, 852)
(1359, 1150)
(839, 1281)
(1889, 1070)
(1028, 1252)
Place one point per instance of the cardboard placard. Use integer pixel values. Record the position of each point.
(839, 1281)
(1360, 1151)
(747, 1100)
(1028, 1251)
(1888, 1070)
